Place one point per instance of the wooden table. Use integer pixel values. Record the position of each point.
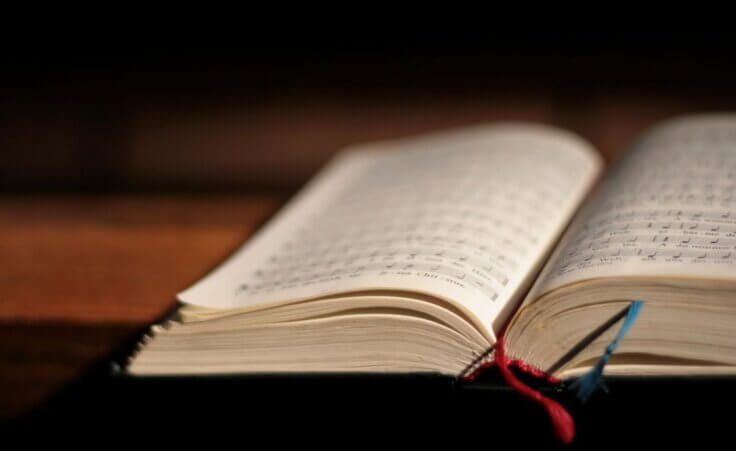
(78, 275)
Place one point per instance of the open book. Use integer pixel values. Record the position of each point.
(413, 255)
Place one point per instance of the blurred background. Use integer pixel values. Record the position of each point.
(263, 107)
(137, 157)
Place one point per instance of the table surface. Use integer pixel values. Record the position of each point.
(78, 275)
(81, 273)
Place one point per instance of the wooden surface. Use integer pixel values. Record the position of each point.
(80, 273)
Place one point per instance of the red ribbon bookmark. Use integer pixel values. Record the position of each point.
(562, 421)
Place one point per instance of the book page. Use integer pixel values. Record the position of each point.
(466, 216)
(668, 209)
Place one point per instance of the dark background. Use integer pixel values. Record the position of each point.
(261, 104)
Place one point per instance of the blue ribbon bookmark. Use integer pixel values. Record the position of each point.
(586, 385)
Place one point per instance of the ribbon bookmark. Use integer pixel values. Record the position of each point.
(586, 385)
(561, 420)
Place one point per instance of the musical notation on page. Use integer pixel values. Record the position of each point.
(670, 202)
(478, 220)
